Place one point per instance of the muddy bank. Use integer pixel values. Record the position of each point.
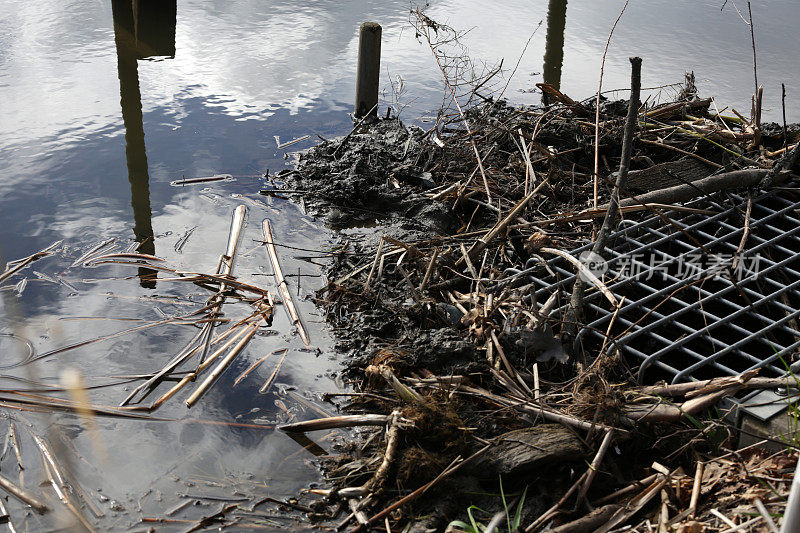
(375, 175)
(436, 310)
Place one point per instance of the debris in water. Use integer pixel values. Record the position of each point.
(191, 181)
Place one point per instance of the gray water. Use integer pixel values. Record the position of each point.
(100, 109)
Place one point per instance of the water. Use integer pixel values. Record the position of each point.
(101, 108)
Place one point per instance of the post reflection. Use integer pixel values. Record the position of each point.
(554, 45)
(142, 29)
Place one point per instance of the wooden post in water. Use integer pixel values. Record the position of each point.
(369, 69)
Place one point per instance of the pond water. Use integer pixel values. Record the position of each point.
(103, 104)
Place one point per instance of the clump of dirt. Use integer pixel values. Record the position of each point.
(416, 463)
(436, 425)
(378, 172)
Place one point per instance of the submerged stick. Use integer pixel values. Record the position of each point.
(4, 512)
(288, 302)
(23, 495)
(57, 481)
(17, 451)
(255, 365)
(110, 336)
(274, 374)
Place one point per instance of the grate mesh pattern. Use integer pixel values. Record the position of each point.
(696, 306)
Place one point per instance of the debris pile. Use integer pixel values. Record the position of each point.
(474, 382)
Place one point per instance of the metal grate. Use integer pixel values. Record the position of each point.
(696, 306)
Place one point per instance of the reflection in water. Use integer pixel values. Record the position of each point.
(554, 47)
(142, 29)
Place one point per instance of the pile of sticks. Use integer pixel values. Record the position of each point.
(524, 187)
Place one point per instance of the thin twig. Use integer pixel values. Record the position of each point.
(596, 179)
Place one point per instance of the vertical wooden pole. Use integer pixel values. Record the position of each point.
(369, 69)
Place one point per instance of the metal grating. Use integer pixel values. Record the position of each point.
(691, 310)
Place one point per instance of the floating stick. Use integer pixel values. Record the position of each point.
(255, 365)
(220, 368)
(23, 495)
(274, 374)
(288, 302)
(224, 268)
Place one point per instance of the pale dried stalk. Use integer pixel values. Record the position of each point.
(288, 301)
(392, 438)
(333, 422)
(224, 268)
(588, 274)
(205, 364)
(498, 228)
(429, 270)
(23, 495)
(222, 365)
(698, 482)
(378, 256)
(265, 387)
(598, 458)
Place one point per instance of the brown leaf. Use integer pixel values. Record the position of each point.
(536, 242)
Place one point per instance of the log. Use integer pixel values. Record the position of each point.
(738, 179)
(520, 451)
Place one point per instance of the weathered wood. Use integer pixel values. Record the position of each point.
(520, 451)
(667, 174)
(683, 389)
(369, 69)
(666, 111)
